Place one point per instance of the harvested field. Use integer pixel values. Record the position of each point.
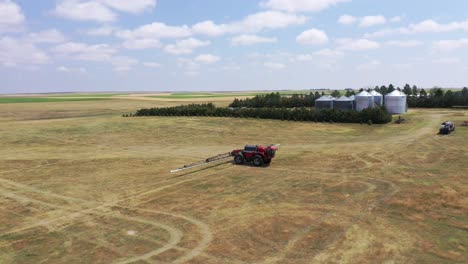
(81, 184)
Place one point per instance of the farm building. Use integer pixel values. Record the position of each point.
(343, 103)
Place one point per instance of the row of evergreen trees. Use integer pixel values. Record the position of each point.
(373, 116)
(276, 100)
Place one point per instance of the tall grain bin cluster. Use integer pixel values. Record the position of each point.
(395, 102)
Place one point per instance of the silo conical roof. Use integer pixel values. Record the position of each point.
(343, 98)
(396, 93)
(363, 94)
(374, 93)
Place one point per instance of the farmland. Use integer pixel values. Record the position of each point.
(81, 184)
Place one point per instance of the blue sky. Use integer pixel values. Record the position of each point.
(182, 45)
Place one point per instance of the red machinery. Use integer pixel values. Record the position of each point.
(258, 155)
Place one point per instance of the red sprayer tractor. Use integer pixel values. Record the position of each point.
(257, 155)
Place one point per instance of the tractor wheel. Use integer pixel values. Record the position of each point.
(239, 159)
(258, 161)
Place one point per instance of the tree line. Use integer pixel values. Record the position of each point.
(371, 116)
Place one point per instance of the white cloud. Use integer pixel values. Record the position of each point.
(139, 44)
(244, 40)
(369, 21)
(130, 6)
(85, 11)
(11, 16)
(207, 59)
(426, 26)
(405, 43)
(329, 53)
(274, 65)
(312, 37)
(15, 52)
(449, 45)
(156, 31)
(82, 51)
(185, 46)
(300, 5)
(396, 19)
(357, 44)
(71, 70)
(152, 64)
(304, 57)
(188, 64)
(47, 36)
(250, 24)
(347, 20)
(101, 31)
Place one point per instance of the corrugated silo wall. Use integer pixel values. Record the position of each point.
(343, 105)
(396, 104)
(323, 104)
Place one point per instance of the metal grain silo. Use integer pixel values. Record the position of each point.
(343, 103)
(324, 102)
(364, 100)
(378, 98)
(396, 102)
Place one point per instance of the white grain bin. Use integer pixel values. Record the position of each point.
(364, 100)
(324, 102)
(396, 102)
(378, 98)
(343, 103)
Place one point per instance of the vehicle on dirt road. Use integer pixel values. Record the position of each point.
(446, 128)
(258, 155)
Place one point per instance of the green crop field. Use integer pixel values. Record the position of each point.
(81, 184)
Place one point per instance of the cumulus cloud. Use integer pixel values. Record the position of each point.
(156, 30)
(133, 6)
(139, 44)
(85, 11)
(396, 19)
(244, 40)
(357, 44)
(329, 53)
(83, 51)
(300, 5)
(71, 70)
(405, 43)
(274, 65)
(186, 46)
(312, 37)
(101, 31)
(426, 26)
(450, 45)
(99, 10)
(250, 24)
(207, 59)
(347, 19)
(11, 16)
(369, 21)
(47, 36)
(17, 52)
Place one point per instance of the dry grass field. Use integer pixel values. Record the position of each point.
(81, 184)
